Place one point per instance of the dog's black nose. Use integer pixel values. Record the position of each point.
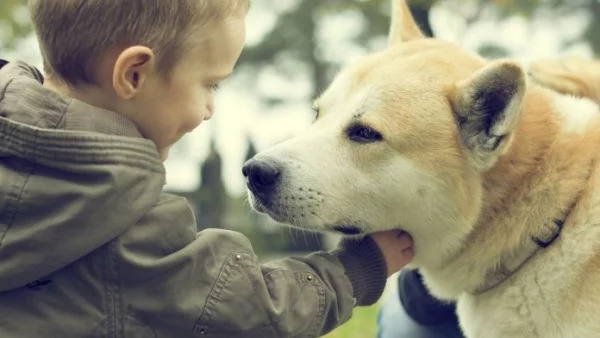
(261, 176)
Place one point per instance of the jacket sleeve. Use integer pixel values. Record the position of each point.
(180, 283)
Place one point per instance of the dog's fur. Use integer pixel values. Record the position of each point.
(473, 160)
(571, 75)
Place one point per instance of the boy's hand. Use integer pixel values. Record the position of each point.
(397, 248)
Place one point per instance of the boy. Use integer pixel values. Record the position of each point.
(90, 246)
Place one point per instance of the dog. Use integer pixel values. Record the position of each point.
(494, 176)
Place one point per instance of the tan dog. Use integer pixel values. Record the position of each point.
(495, 177)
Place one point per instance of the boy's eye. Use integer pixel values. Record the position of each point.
(215, 87)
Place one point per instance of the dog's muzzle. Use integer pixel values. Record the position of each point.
(262, 178)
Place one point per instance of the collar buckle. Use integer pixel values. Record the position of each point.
(546, 242)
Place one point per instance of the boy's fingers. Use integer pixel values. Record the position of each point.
(408, 254)
(404, 240)
(397, 247)
(393, 238)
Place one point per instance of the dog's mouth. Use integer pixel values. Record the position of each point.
(264, 207)
(348, 230)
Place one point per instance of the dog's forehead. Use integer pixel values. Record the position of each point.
(399, 90)
(347, 95)
(413, 67)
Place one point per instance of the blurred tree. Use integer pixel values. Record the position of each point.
(211, 197)
(557, 8)
(251, 151)
(296, 35)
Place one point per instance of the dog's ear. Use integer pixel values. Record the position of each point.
(487, 107)
(403, 27)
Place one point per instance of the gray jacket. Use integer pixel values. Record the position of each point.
(90, 246)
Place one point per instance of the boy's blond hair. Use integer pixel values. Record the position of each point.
(75, 34)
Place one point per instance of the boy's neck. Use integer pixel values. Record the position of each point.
(91, 94)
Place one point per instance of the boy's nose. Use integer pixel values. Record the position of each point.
(210, 108)
(261, 177)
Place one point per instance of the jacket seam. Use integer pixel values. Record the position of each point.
(271, 323)
(321, 305)
(303, 281)
(207, 312)
(15, 196)
(114, 329)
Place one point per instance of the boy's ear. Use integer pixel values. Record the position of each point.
(132, 68)
(487, 107)
(403, 27)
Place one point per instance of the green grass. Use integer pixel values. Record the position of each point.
(363, 324)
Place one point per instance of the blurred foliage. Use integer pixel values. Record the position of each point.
(295, 31)
(14, 22)
(211, 199)
(295, 34)
(492, 51)
(558, 8)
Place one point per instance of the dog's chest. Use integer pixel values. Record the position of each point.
(521, 311)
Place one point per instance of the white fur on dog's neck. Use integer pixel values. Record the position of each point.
(576, 113)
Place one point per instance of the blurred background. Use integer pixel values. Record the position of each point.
(294, 48)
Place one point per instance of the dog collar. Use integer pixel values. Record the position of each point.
(513, 262)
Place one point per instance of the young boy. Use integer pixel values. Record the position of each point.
(90, 246)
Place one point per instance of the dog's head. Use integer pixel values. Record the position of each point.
(400, 141)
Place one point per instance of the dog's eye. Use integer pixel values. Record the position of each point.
(363, 134)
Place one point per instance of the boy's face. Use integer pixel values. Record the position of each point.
(167, 110)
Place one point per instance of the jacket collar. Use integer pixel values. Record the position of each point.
(24, 99)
